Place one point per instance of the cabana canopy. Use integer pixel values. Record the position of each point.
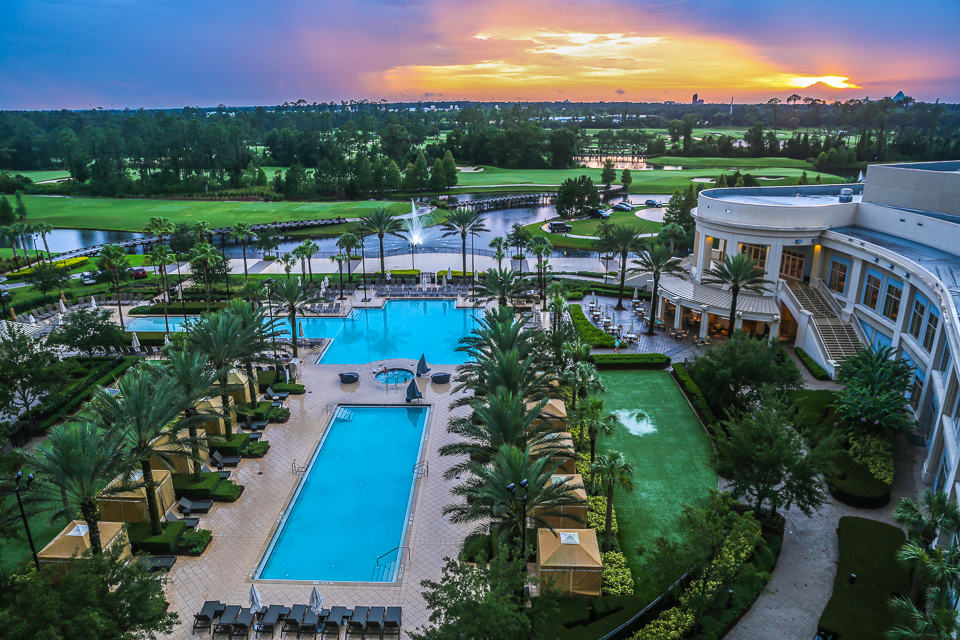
(131, 506)
(570, 560)
(74, 540)
(571, 515)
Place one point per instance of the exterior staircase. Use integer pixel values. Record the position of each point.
(839, 339)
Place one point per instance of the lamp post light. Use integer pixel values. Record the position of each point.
(23, 514)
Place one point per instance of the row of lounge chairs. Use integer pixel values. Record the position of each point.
(324, 309)
(299, 619)
(409, 291)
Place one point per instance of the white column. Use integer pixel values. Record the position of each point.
(704, 322)
(775, 329)
(703, 259)
(853, 285)
(738, 323)
(774, 257)
(903, 315)
(816, 267)
(660, 307)
(677, 315)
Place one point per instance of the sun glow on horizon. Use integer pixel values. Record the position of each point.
(837, 82)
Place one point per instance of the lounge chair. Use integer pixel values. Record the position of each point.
(338, 617)
(274, 395)
(220, 460)
(241, 625)
(349, 377)
(273, 616)
(224, 475)
(311, 622)
(254, 425)
(225, 623)
(157, 563)
(190, 523)
(375, 621)
(211, 610)
(392, 621)
(358, 622)
(187, 506)
(291, 622)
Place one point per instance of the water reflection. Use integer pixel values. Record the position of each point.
(634, 163)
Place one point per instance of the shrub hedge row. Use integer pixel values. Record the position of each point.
(184, 485)
(617, 579)
(176, 307)
(228, 446)
(631, 360)
(164, 544)
(193, 543)
(815, 369)
(227, 491)
(290, 387)
(256, 449)
(853, 484)
(589, 332)
(693, 392)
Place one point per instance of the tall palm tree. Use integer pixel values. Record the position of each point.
(594, 421)
(201, 230)
(309, 248)
(9, 234)
(609, 471)
(340, 259)
(581, 378)
(113, 258)
(145, 408)
(489, 502)
(192, 376)
(381, 221)
(290, 299)
(499, 330)
(937, 567)
(463, 222)
(204, 258)
(619, 239)
(218, 336)
(21, 229)
(498, 244)
(938, 620)
(259, 335)
(529, 376)
(740, 273)
(541, 248)
(159, 226)
(935, 514)
(244, 234)
(500, 285)
(43, 228)
(657, 260)
(76, 463)
(254, 291)
(160, 256)
(347, 242)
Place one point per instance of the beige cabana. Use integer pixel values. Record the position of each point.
(178, 456)
(213, 424)
(555, 411)
(75, 540)
(566, 453)
(131, 506)
(239, 390)
(570, 561)
(571, 515)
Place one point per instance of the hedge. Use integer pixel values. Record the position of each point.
(184, 485)
(228, 447)
(176, 307)
(694, 394)
(818, 372)
(69, 263)
(256, 449)
(266, 378)
(875, 452)
(227, 491)
(589, 332)
(193, 543)
(291, 388)
(631, 360)
(163, 544)
(597, 516)
(617, 580)
(852, 483)
(278, 415)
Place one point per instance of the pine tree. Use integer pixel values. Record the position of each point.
(438, 176)
(6, 212)
(392, 179)
(450, 169)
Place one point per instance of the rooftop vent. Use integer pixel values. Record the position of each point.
(846, 194)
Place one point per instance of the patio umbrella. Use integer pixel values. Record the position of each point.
(62, 308)
(59, 317)
(256, 600)
(166, 339)
(413, 392)
(93, 302)
(3, 328)
(326, 281)
(387, 275)
(31, 319)
(422, 367)
(300, 327)
(316, 601)
(635, 293)
(134, 340)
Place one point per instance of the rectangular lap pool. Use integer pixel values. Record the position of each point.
(401, 329)
(353, 503)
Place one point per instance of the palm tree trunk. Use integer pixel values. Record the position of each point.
(653, 304)
(608, 521)
(341, 280)
(151, 490)
(116, 289)
(310, 266)
(733, 309)
(194, 444)
(623, 278)
(163, 282)
(593, 447)
(251, 384)
(293, 331)
(243, 247)
(46, 247)
(463, 251)
(225, 406)
(88, 510)
(383, 268)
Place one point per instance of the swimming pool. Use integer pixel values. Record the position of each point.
(352, 505)
(400, 329)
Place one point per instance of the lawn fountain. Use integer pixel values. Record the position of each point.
(414, 232)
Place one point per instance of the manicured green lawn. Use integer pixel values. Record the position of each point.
(656, 181)
(591, 226)
(726, 163)
(122, 214)
(868, 548)
(15, 550)
(671, 456)
(37, 176)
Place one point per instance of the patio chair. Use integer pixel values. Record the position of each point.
(291, 622)
(311, 622)
(211, 610)
(157, 563)
(241, 625)
(188, 506)
(338, 617)
(358, 622)
(189, 522)
(273, 616)
(225, 623)
(392, 621)
(270, 394)
(375, 621)
(224, 475)
(253, 425)
(219, 460)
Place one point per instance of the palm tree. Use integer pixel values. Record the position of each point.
(740, 273)
(463, 222)
(529, 376)
(218, 336)
(160, 256)
(657, 261)
(21, 229)
(145, 408)
(499, 330)
(191, 375)
(289, 297)
(113, 258)
(159, 226)
(622, 239)
(500, 285)
(288, 260)
(347, 242)
(937, 567)
(204, 258)
(340, 259)
(933, 516)
(9, 234)
(938, 620)
(259, 336)
(201, 229)
(590, 416)
(254, 291)
(611, 470)
(581, 378)
(489, 501)
(382, 222)
(77, 463)
(43, 228)
(309, 248)
(243, 233)
(498, 244)
(541, 248)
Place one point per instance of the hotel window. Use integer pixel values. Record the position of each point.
(891, 302)
(871, 291)
(757, 252)
(791, 264)
(945, 358)
(916, 316)
(933, 321)
(838, 276)
(916, 391)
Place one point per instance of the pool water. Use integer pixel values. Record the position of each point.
(394, 376)
(401, 329)
(353, 502)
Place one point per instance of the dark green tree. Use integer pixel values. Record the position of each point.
(608, 174)
(576, 195)
(87, 331)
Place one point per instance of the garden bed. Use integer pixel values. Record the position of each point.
(631, 360)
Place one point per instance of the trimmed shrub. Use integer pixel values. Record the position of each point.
(815, 369)
(266, 378)
(597, 516)
(875, 452)
(617, 580)
(852, 484)
(227, 491)
(165, 543)
(290, 387)
(631, 360)
(176, 307)
(582, 465)
(185, 487)
(228, 447)
(69, 263)
(193, 543)
(256, 449)
(278, 414)
(573, 295)
(589, 332)
(693, 392)
(476, 546)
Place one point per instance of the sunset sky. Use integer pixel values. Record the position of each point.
(170, 53)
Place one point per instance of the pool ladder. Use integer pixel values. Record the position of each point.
(298, 468)
(385, 570)
(421, 469)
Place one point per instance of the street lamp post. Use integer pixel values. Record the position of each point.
(363, 262)
(23, 514)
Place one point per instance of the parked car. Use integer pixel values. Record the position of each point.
(138, 273)
(623, 206)
(559, 227)
(598, 213)
(88, 277)
(652, 203)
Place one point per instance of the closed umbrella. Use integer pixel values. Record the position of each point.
(93, 302)
(31, 319)
(326, 281)
(62, 308)
(300, 328)
(413, 392)
(166, 339)
(59, 318)
(422, 367)
(3, 328)
(316, 601)
(134, 341)
(256, 600)
(387, 275)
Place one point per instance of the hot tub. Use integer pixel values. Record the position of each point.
(394, 376)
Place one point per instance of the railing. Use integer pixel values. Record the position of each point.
(379, 571)
(835, 307)
(297, 468)
(421, 469)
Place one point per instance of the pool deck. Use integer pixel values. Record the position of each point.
(242, 530)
